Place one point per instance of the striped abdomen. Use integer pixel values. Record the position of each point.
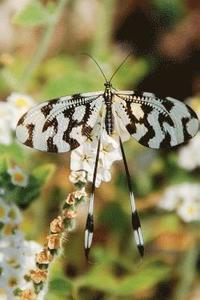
(109, 120)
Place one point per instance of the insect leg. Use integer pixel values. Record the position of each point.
(135, 218)
(89, 223)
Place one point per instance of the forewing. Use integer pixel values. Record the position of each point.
(61, 124)
(154, 122)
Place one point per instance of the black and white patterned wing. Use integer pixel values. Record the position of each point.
(61, 124)
(153, 122)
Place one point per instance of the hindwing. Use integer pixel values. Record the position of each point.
(154, 122)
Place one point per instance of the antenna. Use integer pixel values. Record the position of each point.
(97, 65)
(125, 59)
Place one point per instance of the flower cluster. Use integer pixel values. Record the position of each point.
(184, 199)
(10, 112)
(17, 254)
(63, 223)
(189, 157)
(83, 158)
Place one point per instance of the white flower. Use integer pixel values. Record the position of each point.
(170, 199)
(20, 100)
(17, 256)
(83, 158)
(19, 103)
(103, 174)
(78, 176)
(12, 257)
(29, 251)
(18, 176)
(5, 133)
(189, 155)
(189, 211)
(3, 211)
(3, 295)
(15, 263)
(12, 279)
(110, 150)
(8, 231)
(10, 112)
(14, 214)
(184, 199)
(5, 111)
(11, 236)
(80, 193)
(5, 120)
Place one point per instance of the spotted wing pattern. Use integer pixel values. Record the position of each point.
(61, 124)
(154, 122)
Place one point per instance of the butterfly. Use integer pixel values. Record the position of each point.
(64, 123)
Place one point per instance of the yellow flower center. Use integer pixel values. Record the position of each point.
(12, 213)
(12, 281)
(18, 177)
(12, 261)
(190, 210)
(2, 292)
(107, 148)
(2, 212)
(8, 229)
(86, 158)
(21, 102)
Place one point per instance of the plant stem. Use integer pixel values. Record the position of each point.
(43, 46)
(187, 273)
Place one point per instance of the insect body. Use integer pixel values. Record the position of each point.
(108, 97)
(63, 124)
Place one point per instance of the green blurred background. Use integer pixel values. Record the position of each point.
(41, 43)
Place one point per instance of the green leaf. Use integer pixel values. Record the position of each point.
(154, 226)
(143, 184)
(61, 287)
(34, 14)
(170, 10)
(140, 281)
(14, 151)
(131, 74)
(3, 164)
(113, 217)
(42, 173)
(1, 225)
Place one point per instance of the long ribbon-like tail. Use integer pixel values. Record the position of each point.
(89, 229)
(135, 217)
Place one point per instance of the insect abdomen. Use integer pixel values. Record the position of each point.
(109, 124)
(109, 119)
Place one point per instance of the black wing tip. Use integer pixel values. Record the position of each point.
(87, 252)
(141, 250)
